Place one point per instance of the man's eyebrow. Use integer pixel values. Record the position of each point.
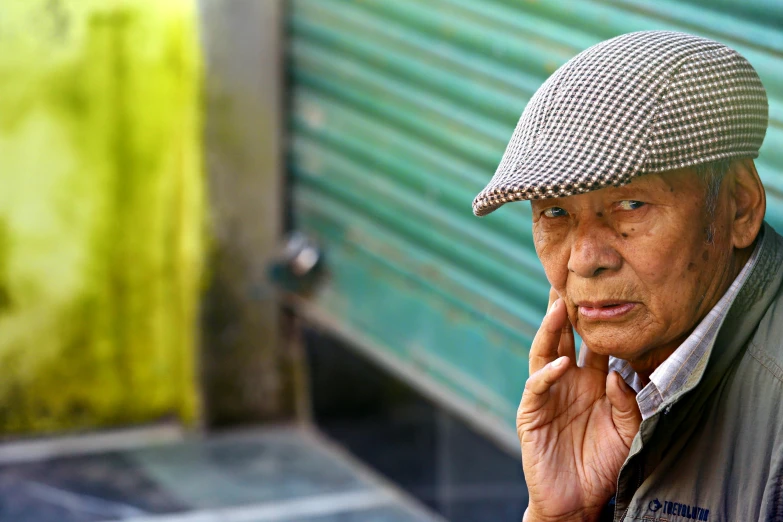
(631, 190)
(549, 201)
(621, 192)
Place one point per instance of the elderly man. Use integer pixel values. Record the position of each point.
(637, 156)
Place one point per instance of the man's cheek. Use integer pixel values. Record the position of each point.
(539, 238)
(554, 258)
(556, 273)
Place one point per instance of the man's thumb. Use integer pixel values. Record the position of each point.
(625, 411)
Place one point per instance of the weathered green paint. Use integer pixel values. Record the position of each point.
(101, 212)
(401, 112)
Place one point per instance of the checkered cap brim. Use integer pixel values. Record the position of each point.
(649, 101)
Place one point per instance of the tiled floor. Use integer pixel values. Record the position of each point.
(274, 474)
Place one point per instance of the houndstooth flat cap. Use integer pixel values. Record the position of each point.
(642, 102)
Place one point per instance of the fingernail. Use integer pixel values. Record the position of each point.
(560, 362)
(553, 306)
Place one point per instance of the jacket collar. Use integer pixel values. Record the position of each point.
(752, 302)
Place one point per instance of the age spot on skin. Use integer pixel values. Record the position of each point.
(624, 234)
(705, 255)
(599, 214)
(691, 267)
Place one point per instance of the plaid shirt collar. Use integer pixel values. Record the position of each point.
(671, 376)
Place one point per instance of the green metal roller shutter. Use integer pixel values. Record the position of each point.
(400, 113)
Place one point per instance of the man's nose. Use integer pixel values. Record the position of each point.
(591, 252)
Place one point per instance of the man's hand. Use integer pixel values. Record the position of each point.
(576, 425)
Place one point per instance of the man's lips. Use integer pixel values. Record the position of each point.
(604, 310)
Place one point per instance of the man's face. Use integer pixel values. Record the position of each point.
(634, 264)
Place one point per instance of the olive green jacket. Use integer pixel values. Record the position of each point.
(714, 451)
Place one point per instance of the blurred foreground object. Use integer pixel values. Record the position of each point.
(101, 212)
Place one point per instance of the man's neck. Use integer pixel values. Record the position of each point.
(646, 366)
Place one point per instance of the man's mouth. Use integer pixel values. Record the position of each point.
(604, 310)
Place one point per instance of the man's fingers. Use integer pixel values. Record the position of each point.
(552, 297)
(625, 410)
(547, 340)
(567, 346)
(538, 385)
(590, 359)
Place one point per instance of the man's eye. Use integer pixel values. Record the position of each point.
(629, 204)
(553, 212)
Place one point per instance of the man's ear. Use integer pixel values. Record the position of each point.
(750, 203)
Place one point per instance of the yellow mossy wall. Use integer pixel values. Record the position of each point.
(101, 212)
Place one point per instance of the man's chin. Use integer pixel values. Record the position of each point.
(621, 344)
